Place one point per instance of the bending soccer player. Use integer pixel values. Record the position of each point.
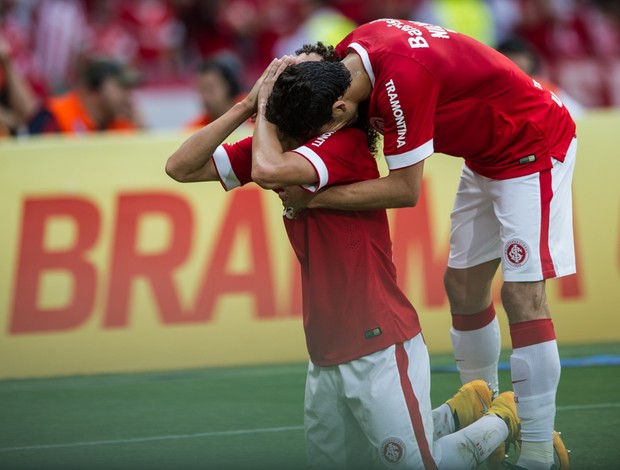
(367, 400)
(429, 89)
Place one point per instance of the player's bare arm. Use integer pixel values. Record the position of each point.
(401, 188)
(193, 159)
(272, 166)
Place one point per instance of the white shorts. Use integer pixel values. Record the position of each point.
(372, 412)
(525, 221)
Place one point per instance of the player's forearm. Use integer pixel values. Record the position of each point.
(365, 195)
(400, 189)
(268, 156)
(190, 161)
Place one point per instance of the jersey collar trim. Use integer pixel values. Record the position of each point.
(357, 47)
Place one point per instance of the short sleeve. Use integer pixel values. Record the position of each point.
(338, 158)
(233, 163)
(405, 97)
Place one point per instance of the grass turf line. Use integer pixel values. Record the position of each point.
(217, 409)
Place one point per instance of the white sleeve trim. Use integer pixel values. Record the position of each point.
(411, 157)
(224, 169)
(319, 166)
(365, 60)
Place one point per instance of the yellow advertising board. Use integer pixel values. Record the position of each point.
(107, 265)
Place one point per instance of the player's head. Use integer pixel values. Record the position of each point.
(317, 52)
(309, 98)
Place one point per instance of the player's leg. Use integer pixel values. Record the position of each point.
(470, 446)
(536, 218)
(324, 419)
(534, 367)
(475, 333)
(475, 252)
(389, 393)
(467, 405)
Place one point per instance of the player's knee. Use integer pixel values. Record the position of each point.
(524, 301)
(464, 297)
(455, 288)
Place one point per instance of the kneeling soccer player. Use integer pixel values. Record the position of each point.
(367, 400)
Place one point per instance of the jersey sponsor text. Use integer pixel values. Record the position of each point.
(399, 116)
(320, 140)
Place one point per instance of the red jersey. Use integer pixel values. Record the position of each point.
(438, 90)
(352, 305)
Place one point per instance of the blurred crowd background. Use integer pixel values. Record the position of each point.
(87, 65)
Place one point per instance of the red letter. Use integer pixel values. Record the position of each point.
(128, 264)
(244, 214)
(26, 316)
(414, 247)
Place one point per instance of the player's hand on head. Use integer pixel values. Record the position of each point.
(251, 99)
(272, 73)
(274, 68)
(295, 198)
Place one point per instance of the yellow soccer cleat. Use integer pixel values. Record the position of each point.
(561, 459)
(470, 403)
(560, 453)
(504, 407)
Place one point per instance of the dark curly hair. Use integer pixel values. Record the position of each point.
(328, 53)
(301, 101)
(372, 135)
(278, 105)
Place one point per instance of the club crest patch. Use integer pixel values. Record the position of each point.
(393, 451)
(516, 253)
(377, 123)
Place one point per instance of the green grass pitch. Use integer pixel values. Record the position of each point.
(241, 418)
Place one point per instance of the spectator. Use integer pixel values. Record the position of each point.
(100, 102)
(526, 57)
(17, 101)
(59, 33)
(578, 41)
(16, 29)
(219, 87)
(570, 29)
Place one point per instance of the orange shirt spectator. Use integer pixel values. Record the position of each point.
(101, 102)
(71, 116)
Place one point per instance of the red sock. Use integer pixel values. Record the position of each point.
(475, 321)
(531, 332)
